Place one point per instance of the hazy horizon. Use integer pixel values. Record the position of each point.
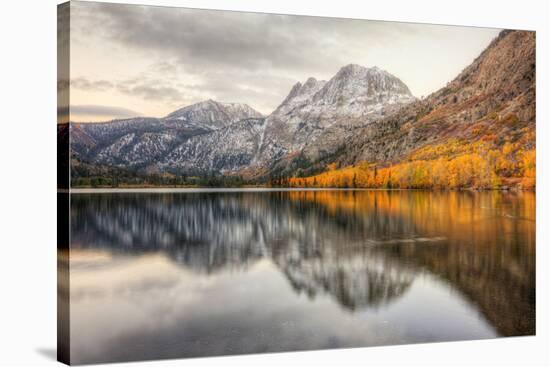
(132, 60)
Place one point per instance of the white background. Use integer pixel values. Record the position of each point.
(28, 181)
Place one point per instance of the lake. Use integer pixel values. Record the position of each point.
(193, 273)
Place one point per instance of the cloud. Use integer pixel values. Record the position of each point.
(180, 55)
(153, 91)
(85, 84)
(236, 40)
(218, 86)
(100, 110)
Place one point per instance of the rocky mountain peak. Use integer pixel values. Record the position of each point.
(299, 94)
(210, 115)
(310, 82)
(352, 69)
(319, 116)
(356, 83)
(355, 90)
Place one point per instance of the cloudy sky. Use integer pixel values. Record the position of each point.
(129, 60)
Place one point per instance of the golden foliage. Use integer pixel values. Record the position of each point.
(454, 165)
(528, 167)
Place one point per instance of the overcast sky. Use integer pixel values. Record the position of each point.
(129, 60)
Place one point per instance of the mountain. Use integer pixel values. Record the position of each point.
(363, 127)
(229, 149)
(140, 142)
(494, 95)
(98, 142)
(477, 131)
(212, 137)
(210, 115)
(316, 118)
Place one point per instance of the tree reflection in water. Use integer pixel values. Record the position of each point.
(362, 249)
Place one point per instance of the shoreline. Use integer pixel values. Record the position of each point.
(106, 190)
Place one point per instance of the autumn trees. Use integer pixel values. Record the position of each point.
(453, 165)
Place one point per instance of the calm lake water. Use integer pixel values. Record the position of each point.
(187, 274)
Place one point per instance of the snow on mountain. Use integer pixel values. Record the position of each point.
(299, 95)
(225, 150)
(210, 115)
(313, 121)
(139, 142)
(353, 92)
(356, 90)
(316, 118)
(136, 150)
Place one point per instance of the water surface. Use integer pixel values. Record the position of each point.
(204, 273)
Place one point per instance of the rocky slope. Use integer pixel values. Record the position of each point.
(318, 117)
(210, 115)
(492, 100)
(225, 150)
(141, 142)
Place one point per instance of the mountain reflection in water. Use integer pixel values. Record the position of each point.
(197, 274)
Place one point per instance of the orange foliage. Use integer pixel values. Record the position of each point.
(529, 167)
(451, 165)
